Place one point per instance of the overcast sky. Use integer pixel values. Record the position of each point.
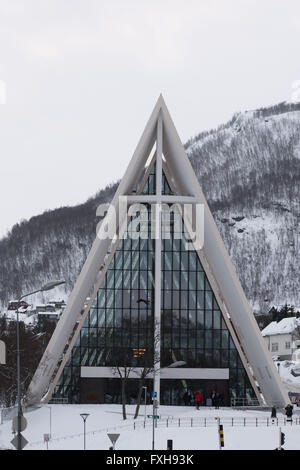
(81, 78)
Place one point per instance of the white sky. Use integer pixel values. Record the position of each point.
(81, 78)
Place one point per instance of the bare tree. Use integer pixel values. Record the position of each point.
(122, 358)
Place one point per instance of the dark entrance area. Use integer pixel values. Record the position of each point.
(172, 392)
(113, 391)
(91, 390)
(100, 390)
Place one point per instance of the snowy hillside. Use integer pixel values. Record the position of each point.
(249, 170)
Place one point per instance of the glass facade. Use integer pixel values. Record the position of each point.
(118, 329)
(150, 186)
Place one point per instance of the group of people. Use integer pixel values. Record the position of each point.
(288, 412)
(215, 399)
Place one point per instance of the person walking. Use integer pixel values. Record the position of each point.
(221, 399)
(289, 412)
(186, 398)
(217, 400)
(273, 414)
(197, 399)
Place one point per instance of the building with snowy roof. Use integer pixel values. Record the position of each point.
(282, 337)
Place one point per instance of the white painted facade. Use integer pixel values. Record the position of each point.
(280, 345)
(282, 337)
(165, 373)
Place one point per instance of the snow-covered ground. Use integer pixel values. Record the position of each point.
(290, 375)
(67, 429)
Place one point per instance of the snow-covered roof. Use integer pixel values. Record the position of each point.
(284, 326)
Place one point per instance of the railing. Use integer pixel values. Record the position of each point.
(226, 421)
(244, 402)
(58, 401)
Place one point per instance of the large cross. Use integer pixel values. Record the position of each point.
(158, 199)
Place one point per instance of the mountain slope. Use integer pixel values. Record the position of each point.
(249, 170)
(251, 177)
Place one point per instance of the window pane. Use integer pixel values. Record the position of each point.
(200, 300)
(200, 319)
(208, 300)
(200, 339)
(184, 280)
(208, 339)
(225, 339)
(208, 319)
(217, 319)
(192, 260)
(200, 280)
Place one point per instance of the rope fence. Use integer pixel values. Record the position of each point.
(184, 422)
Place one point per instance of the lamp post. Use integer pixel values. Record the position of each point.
(154, 396)
(84, 417)
(145, 388)
(48, 286)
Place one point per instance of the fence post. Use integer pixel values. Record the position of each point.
(205, 422)
(179, 422)
(191, 422)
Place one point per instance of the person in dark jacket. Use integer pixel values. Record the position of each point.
(186, 398)
(289, 412)
(221, 399)
(217, 401)
(273, 414)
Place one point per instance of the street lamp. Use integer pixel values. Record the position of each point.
(84, 417)
(154, 395)
(145, 388)
(45, 287)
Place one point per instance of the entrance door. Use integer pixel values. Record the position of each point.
(91, 390)
(220, 387)
(172, 392)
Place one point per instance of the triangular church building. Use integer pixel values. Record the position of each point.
(161, 295)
